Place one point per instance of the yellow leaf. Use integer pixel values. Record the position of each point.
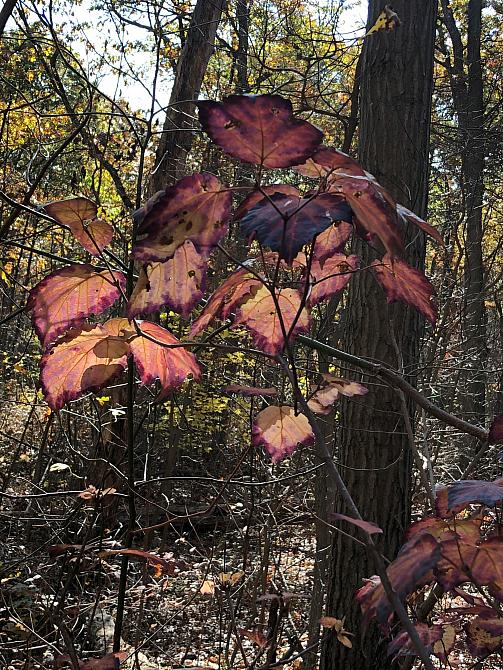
(387, 20)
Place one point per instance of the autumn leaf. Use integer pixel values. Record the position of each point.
(332, 240)
(416, 220)
(255, 635)
(467, 529)
(279, 430)
(327, 160)
(330, 390)
(207, 588)
(467, 492)
(484, 635)
(196, 208)
(330, 276)
(367, 526)
(162, 357)
(403, 282)
(86, 359)
(161, 565)
(259, 315)
(256, 196)
(259, 129)
(285, 223)
(496, 430)
(373, 209)
(107, 662)
(79, 214)
(406, 572)
(387, 20)
(401, 645)
(237, 288)
(178, 283)
(69, 295)
(337, 625)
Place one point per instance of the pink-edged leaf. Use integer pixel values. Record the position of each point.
(401, 645)
(330, 390)
(162, 357)
(79, 214)
(86, 359)
(496, 430)
(403, 282)
(416, 220)
(332, 240)
(467, 492)
(237, 288)
(69, 295)
(256, 196)
(259, 129)
(406, 573)
(331, 276)
(484, 634)
(373, 208)
(280, 431)
(250, 390)
(196, 208)
(259, 315)
(367, 526)
(326, 160)
(178, 283)
(304, 218)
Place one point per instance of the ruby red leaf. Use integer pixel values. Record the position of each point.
(260, 316)
(280, 431)
(69, 295)
(86, 359)
(496, 430)
(238, 287)
(196, 208)
(286, 223)
(332, 240)
(403, 282)
(406, 572)
(401, 645)
(162, 357)
(367, 526)
(416, 220)
(178, 283)
(331, 276)
(259, 129)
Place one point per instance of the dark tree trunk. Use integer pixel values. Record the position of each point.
(176, 139)
(395, 103)
(243, 20)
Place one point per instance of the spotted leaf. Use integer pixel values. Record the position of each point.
(259, 129)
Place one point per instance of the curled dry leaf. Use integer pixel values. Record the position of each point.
(86, 359)
(178, 283)
(259, 314)
(196, 208)
(69, 295)
(79, 214)
(250, 390)
(161, 565)
(331, 389)
(367, 526)
(403, 282)
(256, 636)
(280, 431)
(285, 223)
(337, 625)
(259, 129)
(207, 588)
(387, 20)
(159, 355)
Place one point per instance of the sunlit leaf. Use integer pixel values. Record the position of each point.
(420, 223)
(337, 625)
(69, 295)
(268, 328)
(162, 357)
(327, 160)
(332, 240)
(86, 359)
(237, 288)
(280, 431)
(196, 208)
(79, 214)
(330, 390)
(331, 276)
(285, 223)
(259, 129)
(207, 588)
(406, 572)
(178, 283)
(387, 20)
(403, 282)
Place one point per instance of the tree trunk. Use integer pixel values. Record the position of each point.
(395, 103)
(176, 138)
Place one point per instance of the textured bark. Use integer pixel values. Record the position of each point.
(243, 20)
(176, 139)
(395, 103)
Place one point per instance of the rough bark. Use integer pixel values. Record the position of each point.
(395, 103)
(177, 135)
